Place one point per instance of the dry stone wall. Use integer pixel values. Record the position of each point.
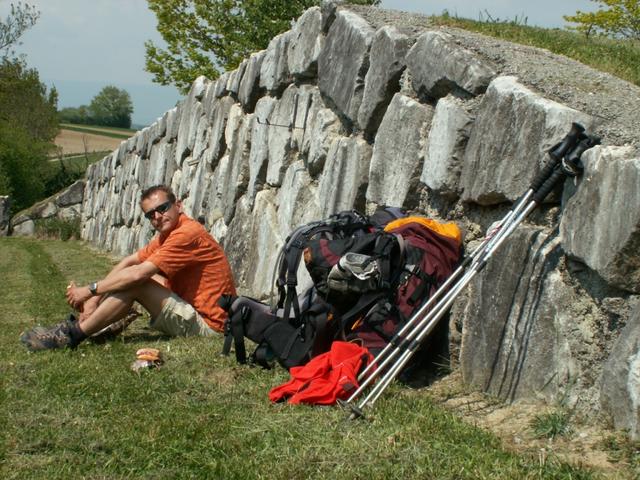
(353, 109)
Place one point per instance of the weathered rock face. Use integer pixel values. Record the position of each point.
(598, 227)
(395, 166)
(440, 67)
(344, 61)
(621, 385)
(349, 111)
(513, 130)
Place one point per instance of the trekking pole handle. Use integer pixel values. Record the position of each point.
(571, 164)
(570, 167)
(556, 154)
(548, 185)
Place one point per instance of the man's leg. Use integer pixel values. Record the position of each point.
(151, 295)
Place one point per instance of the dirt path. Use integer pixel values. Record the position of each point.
(584, 445)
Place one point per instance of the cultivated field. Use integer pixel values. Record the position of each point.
(78, 142)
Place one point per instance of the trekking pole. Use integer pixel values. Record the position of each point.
(395, 345)
(568, 167)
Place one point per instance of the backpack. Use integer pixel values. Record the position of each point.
(370, 274)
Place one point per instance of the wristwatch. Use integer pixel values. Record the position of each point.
(93, 288)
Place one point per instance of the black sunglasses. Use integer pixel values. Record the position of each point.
(161, 209)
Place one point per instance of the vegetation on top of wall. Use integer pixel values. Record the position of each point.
(619, 57)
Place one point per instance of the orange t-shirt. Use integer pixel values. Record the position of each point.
(195, 266)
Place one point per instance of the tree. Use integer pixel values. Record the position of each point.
(28, 124)
(205, 37)
(21, 17)
(28, 118)
(112, 107)
(620, 20)
(75, 115)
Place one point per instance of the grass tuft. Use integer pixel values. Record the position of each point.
(552, 424)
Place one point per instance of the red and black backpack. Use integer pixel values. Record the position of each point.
(369, 273)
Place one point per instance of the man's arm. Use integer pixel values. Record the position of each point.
(127, 273)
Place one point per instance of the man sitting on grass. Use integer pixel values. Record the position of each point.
(178, 277)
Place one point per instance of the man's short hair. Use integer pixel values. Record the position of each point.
(158, 188)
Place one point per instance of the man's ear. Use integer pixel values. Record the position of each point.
(179, 205)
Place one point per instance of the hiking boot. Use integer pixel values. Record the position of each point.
(40, 338)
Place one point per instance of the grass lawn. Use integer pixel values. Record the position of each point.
(85, 414)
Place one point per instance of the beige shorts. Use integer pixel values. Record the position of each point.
(179, 319)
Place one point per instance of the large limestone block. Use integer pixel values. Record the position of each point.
(266, 239)
(217, 118)
(239, 245)
(190, 112)
(305, 44)
(281, 125)
(388, 50)
(438, 67)
(158, 129)
(508, 145)
(173, 122)
(259, 152)
(445, 147)
(220, 85)
(344, 179)
(199, 179)
(274, 71)
(307, 103)
(343, 62)
(23, 229)
(323, 129)
(397, 162)
(202, 137)
(171, 165)
(296, 199)
(159, 158)
(235, 77)
(129, 204)
(71, 212)
(72, 195)
(231, 177)
(249, 88)
(620, 390)
(526, 334)
(601, 222)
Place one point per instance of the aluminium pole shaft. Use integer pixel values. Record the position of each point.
(429, 322)
(486, 243)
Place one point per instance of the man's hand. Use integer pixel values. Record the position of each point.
(76, 296)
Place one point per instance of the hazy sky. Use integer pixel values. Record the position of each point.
(81, 46)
